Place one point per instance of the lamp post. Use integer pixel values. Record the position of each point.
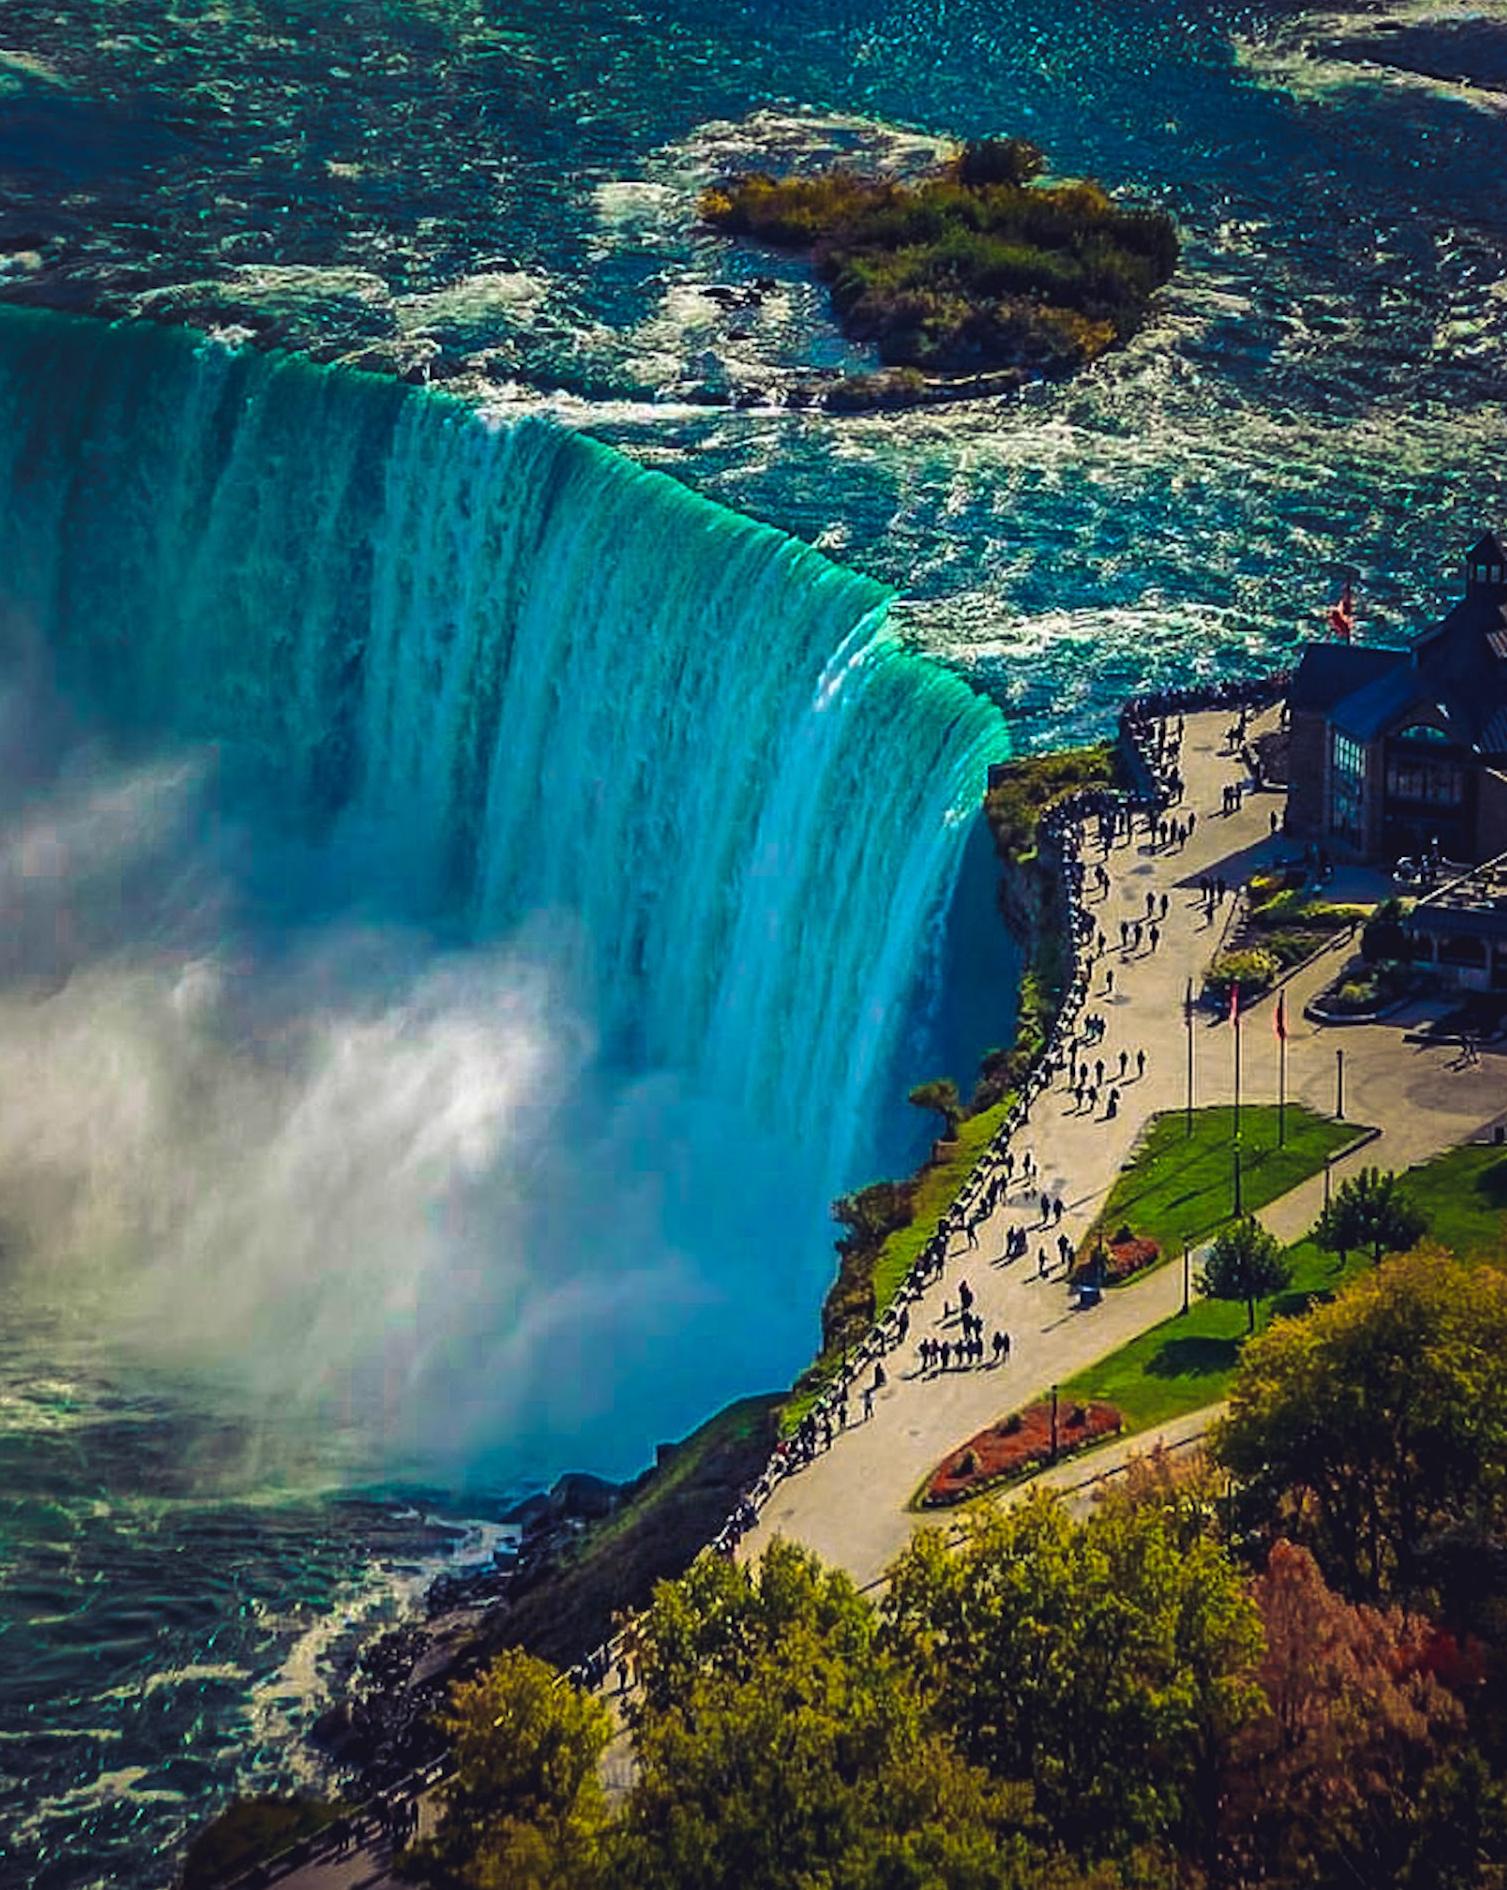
(1188, 1028)
(1054, 1424)
(1328, 1160)
(1235, 1021)
(1339, 1086)
(1187, 1272)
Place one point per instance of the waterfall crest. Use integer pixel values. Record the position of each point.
(550, 689)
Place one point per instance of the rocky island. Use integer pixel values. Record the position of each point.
(980, 269)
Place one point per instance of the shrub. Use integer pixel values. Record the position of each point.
(248, 1830)
(999, 161)
(972, 269)
(1383, 936)
(1253, 970)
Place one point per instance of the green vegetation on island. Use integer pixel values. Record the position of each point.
(978, 268)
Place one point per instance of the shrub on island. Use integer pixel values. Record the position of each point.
(975, 268)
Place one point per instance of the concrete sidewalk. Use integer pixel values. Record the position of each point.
(850, 1505)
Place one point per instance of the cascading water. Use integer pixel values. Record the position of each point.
(670, 764)
(464, 896)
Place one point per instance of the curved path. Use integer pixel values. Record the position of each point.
(850, 1505)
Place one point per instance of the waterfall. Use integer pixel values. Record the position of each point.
(552, 692)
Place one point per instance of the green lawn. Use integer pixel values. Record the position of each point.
(1187, 1361)
(1179, 1188)
(939, 1186)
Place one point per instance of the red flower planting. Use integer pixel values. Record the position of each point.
(1124, 1256)
(1020, 1442)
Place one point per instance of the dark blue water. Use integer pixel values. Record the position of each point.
(503, 199)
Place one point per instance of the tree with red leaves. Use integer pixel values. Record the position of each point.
(1356, 1774)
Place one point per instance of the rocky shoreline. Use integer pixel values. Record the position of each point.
(578, 1556)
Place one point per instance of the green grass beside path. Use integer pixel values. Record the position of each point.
(1179, 1188)
(1187, 1362)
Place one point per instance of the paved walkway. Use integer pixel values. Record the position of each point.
(850, 1505)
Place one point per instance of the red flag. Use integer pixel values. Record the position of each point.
(1234, 1003)
(1342, 616)
(1279, 1017)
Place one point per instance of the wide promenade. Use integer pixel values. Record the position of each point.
(851, 1503)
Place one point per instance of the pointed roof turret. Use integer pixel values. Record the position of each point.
(1486, 566)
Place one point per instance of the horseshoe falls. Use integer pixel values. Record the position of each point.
(475, 900)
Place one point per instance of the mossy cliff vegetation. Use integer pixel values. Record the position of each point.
(977, 268)
(886, 1224)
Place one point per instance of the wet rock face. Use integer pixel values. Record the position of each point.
(576, 1497)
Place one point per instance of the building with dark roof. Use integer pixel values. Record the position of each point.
(1404, 751)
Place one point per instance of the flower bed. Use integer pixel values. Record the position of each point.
(1112, 1262)
(1016, 1446)
(1126, 1257)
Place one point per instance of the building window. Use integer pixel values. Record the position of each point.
(1423, 732)
(1347, 779)
(1433, 783)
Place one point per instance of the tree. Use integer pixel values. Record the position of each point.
(524, 1809)
(1330, 1785)
(1107, 1661)
(1245, 1262)
(941, 1094)
(999, 161)
(720, 1617)
(1377, 1425)
(778, 1744)
(812, 1765)
(1371, 1210)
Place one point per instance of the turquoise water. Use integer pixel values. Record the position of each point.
(412, 875)
(477, 904)
(506, 197)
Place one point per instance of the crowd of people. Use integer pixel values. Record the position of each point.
(1152, 729)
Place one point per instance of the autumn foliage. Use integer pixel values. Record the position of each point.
(1282, 1667)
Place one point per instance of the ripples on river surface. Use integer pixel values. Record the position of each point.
(504, 197)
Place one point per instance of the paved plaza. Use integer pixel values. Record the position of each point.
(851, 1503)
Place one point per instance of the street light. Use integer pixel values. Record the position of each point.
(1339, 1086)
(1187, 1269)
